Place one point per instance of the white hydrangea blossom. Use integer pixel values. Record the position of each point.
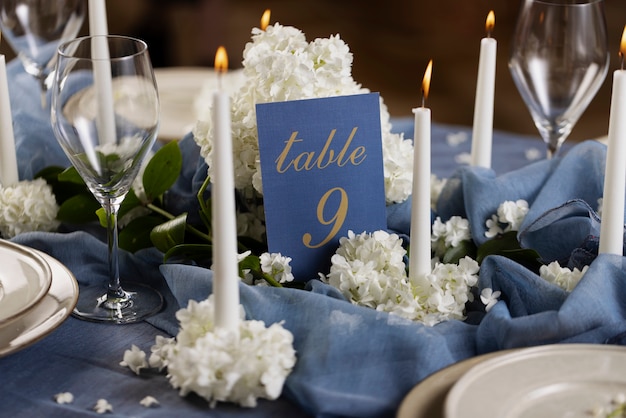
(449, 234)
(562, 276)
(489, 298)
(134, 359)
(217, 363)
(369, 270)
(509, 217)
(436, 186)
(277, 266)
(250, 225)
(280, 65)
(27, 206)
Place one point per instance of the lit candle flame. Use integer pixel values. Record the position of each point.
(622, 46)
(221, 64)
(265, 19)
(426, 82)
(221, 60)
(490, 23)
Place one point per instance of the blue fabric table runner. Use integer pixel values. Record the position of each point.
(352, 361)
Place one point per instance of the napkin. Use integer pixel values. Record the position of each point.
(357, 362)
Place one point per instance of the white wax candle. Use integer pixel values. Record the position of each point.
(8, 159)
(482, 132)
(98, 26)
(225, 264)
(420, 251)
(612, 226)
(98, 18)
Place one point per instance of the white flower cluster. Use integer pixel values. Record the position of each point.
(277, 266)
(280, 65)
(562, 276)
(27, 206)
(449, 234)
(221, 365)
(436, 186)
(369, 271)
(508, 218)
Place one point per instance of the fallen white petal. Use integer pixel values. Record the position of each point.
(64, 398)
(102, 406)
(149, 401)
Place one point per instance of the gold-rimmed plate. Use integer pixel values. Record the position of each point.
(54, 308)
(427, 398)
(25, 279)
(572, 380)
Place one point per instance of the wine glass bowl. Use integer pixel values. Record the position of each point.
(35, 29)
(559, 59)
(105, 115)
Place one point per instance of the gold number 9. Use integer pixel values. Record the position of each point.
(337, 219)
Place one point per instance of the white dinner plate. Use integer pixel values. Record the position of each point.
(24, 280)
(563, 380)
(427, 398)
(180, 90)
(48, 314)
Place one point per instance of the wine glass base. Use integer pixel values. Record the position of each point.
(142, 301)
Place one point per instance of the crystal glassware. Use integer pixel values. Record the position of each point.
(105, 115)
(559, 59)
(36, 28)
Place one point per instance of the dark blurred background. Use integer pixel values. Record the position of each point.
(391, 40)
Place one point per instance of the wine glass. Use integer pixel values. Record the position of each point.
(105, 115)
(558, 61)
(35, 29)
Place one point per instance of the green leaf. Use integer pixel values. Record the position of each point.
(136, 235)
(454, 254)
(251, 262)
(130, 202)
(50, 174)
(162, 170)
(79, 209)
(70, 175)
(190, 252)
(508, 246)
(62, 190)
(169, 234)
(102, 217)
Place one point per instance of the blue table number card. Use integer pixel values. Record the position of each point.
(322, 169)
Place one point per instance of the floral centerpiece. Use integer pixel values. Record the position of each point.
(279, 65)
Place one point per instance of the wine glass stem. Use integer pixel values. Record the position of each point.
(552, 150)
(114, 291)
(43, 89)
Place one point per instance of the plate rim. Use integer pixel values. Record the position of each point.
(46, 275)
(412, 399)
(518, 356)
(42, 327)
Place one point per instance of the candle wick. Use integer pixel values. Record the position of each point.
(423, 100)
(621, 56)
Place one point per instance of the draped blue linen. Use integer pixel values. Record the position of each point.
(351, 361)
